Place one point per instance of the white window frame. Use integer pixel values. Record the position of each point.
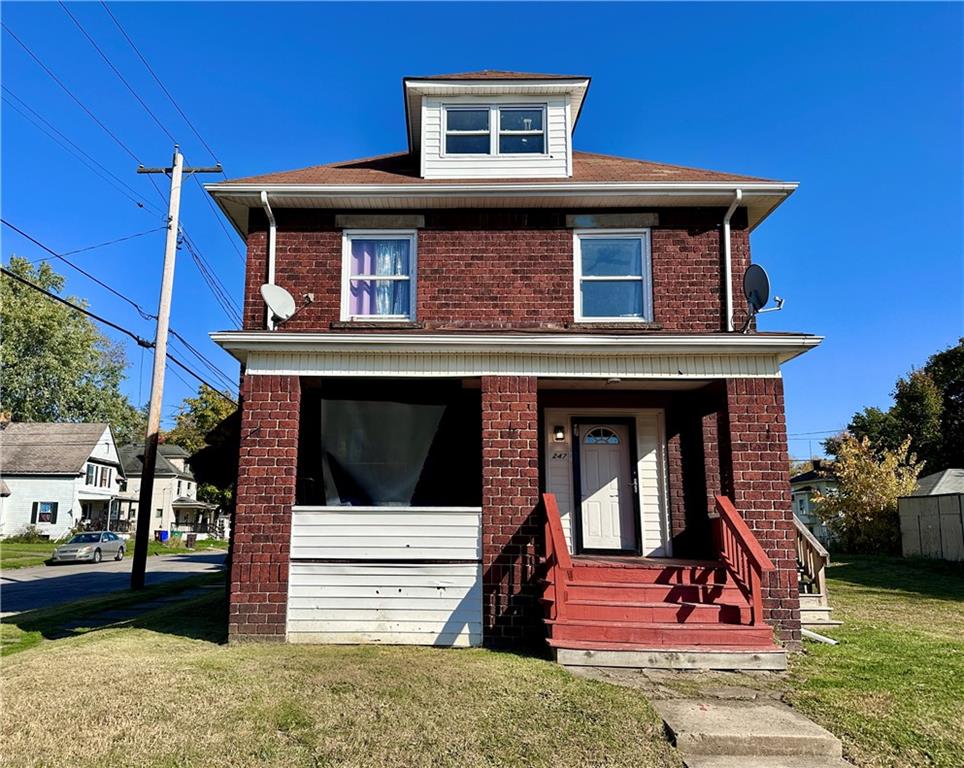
(495, 129)
(544, 133)
(646, 278)
(446, 132)
(348, 236)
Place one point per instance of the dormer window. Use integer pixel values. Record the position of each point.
(521, 130)
(495, 130)
(467, 131)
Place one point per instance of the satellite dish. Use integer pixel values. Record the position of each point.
(280, 303)
(756, 287)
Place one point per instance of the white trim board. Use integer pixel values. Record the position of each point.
(549, 355)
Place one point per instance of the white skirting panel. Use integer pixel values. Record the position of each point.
(392, 575)
(405, 604)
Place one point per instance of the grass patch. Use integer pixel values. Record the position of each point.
(26, 630)
(19, 555)
(168, 692)
(893, 690)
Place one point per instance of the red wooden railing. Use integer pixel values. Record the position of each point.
(742, 553)
(558, 561)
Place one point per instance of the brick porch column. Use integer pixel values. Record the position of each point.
(756, 470)
(511, 529)
(262, 519)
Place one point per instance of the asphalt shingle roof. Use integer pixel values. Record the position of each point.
(30, 448)
(132, 460)
(403, 168)
(946, 481)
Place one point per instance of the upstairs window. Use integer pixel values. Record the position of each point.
(495, 130)
(613, 280)
(379, 276)
(91, 474)
(521, 131)
(467, 131)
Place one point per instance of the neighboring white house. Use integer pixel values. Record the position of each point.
(804, 487)
(58, 477)
(174, 505)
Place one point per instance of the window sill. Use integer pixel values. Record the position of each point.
(629, 325)
(339, 325)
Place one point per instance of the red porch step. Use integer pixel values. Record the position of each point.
(657, 612)
(653, 593)
(647, 572)
(658, 635)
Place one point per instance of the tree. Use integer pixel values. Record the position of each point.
(196, 417)
(205, 426)
(861, 512)
(928, 407)
(56, 364)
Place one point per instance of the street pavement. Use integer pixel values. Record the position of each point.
(26, 589)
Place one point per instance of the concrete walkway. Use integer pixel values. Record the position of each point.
(721, 733)
(26, 589)
(730, 719)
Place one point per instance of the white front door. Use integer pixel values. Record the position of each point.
(607, 510)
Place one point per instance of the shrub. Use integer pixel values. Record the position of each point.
(29, 534)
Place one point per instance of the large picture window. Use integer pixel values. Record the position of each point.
(391, 443)
(379, 275)
(613, 280)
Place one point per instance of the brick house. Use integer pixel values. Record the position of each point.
(486, 318)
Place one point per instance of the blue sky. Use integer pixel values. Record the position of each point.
(859, 103)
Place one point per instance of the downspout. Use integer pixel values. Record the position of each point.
(272, 235)
(727, 257)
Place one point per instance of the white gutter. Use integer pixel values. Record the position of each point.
(700, 188)
(728, 258)
(272, 238)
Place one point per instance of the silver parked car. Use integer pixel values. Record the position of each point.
(92, 547)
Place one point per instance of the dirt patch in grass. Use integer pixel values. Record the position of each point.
(167, 693)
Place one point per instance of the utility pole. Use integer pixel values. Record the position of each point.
(144, 503)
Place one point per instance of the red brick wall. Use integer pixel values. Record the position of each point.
(499, 269)
(511, 528)
(756, 475)
(262, 518)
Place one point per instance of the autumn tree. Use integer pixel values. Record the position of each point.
(861, 512)
(55, 363)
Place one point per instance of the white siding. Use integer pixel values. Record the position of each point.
(554, 164)
(385, 533)
(377, 586)
(24, 491)
(651, 470)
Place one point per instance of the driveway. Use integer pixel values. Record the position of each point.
(26, 589)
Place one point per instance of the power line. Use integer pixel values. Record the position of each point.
(72, 148)
(138, 339)
(109, 242)
(160, 82)
(138, 308)
(221, 294)
(215, 371)
(117, 72)
(70, 93)
(219, 219)
(186, 119)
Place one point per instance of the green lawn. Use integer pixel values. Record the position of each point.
(893, 690)
(168, 693)
(17, 555)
